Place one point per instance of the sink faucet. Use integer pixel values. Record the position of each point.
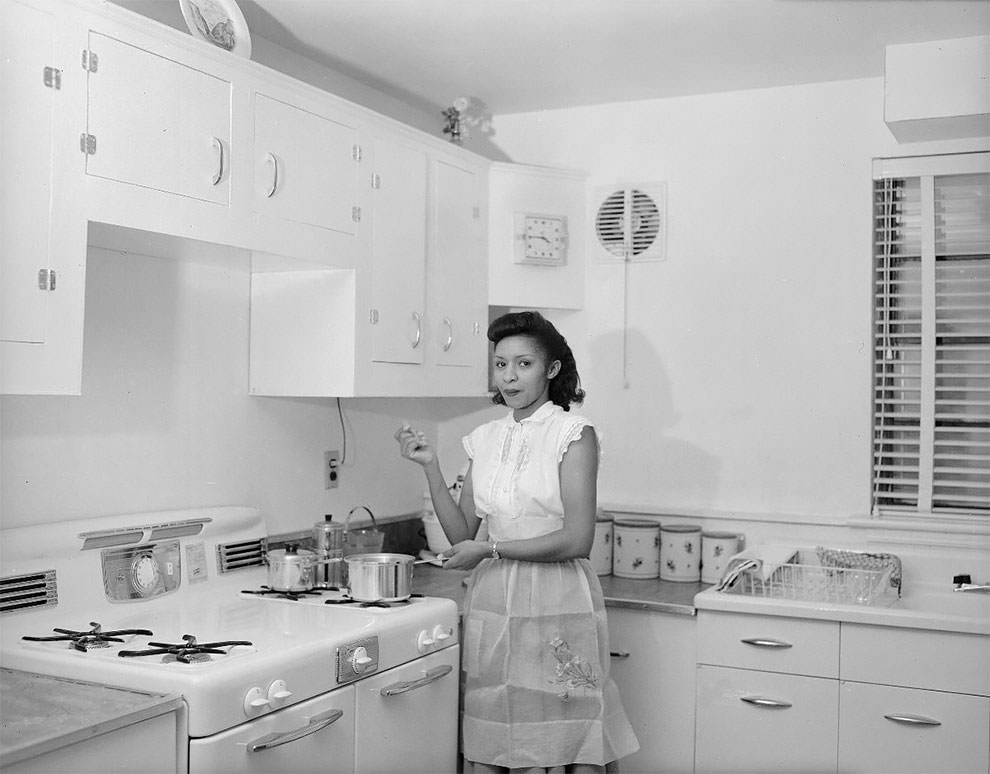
(965, 583)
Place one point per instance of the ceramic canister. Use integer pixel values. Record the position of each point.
(601, 549)
(716, 548)
(636, 548)
(680, 552)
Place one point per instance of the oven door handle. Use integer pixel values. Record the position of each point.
(430, 677)
(316, 723)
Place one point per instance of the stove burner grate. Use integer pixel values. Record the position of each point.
(94, 638)
(370, 603)
(294, 596)
(188, 652)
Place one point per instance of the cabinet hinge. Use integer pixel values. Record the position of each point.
(476, 212)
(356, 214)
(373, 316)
(376, 180)
(356, 152)
(52, 77)
(90, 61)
(87, 144)
(46, 279)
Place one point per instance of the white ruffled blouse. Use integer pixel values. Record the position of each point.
(515, 471)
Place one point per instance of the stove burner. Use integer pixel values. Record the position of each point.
(371, 603)
(94, 638)
(295, 596)
(188, 652)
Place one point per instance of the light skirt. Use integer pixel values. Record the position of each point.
(536, 662)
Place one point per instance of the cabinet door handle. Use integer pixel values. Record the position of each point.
(763, 701)
(419, 329)
(317, 723)
(913, 720)
(273, 160)
(430, 677)
(450, 334)
(760, 642)
(619, 653)
(218, 175)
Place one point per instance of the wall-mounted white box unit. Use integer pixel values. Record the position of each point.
(938, 90)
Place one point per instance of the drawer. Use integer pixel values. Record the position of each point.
(916, 658)
(769, 643)
(906, 730)
(764, 722)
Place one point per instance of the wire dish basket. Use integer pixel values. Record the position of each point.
(816, 583)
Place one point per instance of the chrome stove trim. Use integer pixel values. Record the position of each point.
(31, 590)
(240, 555)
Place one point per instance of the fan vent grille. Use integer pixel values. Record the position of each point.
(629, 223)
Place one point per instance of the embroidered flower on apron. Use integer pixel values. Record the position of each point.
(571, 671)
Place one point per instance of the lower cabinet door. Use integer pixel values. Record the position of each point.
(904, 730)
(760, 721)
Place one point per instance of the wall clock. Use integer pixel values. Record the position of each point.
(540, 239)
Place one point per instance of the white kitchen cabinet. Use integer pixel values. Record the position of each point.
(884, 728)
(519, 189)
(914, 700)
(767, 694)
(457, 296)
(42, 234)
(359, 332)
(306, 164)
(396, 218)
(155, 122)
(763, 721)
(653, 667)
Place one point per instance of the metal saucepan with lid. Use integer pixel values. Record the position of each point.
(291, 569)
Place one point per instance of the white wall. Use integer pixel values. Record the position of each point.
(165, 420)
(748, 348)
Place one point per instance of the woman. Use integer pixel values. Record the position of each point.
(535, 649)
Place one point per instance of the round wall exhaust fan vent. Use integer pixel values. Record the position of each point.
(629, 224)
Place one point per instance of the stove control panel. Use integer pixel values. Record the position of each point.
(357, 659)
(147, 571)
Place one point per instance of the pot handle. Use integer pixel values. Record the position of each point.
(430, 677)
(347, 520)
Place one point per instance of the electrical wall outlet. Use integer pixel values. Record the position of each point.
(331, 469)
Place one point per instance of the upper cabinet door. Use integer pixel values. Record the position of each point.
(305, 167)
(458, 273)
(398, 251)
(26, 39)
(156, 123)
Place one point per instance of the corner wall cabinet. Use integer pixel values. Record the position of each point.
(788, 694)
(138, 129)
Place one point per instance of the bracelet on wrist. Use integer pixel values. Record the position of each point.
(495, 553)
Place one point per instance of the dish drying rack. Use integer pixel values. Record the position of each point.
(838, 576)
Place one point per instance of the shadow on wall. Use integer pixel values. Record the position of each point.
(631, 401)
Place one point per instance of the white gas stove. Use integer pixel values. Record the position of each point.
(284, 685)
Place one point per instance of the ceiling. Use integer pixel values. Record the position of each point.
(524, 55)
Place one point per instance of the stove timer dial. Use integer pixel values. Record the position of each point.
(357, 659)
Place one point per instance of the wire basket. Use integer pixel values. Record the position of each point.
(815, 583)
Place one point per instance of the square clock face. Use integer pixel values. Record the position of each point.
(541, 239)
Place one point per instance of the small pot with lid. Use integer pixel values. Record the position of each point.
(291, 569)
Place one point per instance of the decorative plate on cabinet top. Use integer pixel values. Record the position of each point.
(220, 22)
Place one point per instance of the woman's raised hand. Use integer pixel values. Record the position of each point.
(413, 445)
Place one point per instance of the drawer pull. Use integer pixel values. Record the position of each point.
(619, 653)
(760, 642)
(762, 701)
(914, 720)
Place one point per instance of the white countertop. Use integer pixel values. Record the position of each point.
(940, 609)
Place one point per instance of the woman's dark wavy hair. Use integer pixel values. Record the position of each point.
(565, 387)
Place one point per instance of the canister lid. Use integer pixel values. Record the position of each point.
(637, 523)
(679, 528)
(603, 516)
(719, 535)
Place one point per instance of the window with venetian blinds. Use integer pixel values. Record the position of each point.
(931, 329)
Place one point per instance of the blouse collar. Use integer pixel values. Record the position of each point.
(542, 414)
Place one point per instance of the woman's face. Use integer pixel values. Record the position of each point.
(522, 375)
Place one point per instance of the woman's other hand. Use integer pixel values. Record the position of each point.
(467, 554)
(413, 445)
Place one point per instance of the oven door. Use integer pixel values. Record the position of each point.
(408, 717)
(316, 735)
